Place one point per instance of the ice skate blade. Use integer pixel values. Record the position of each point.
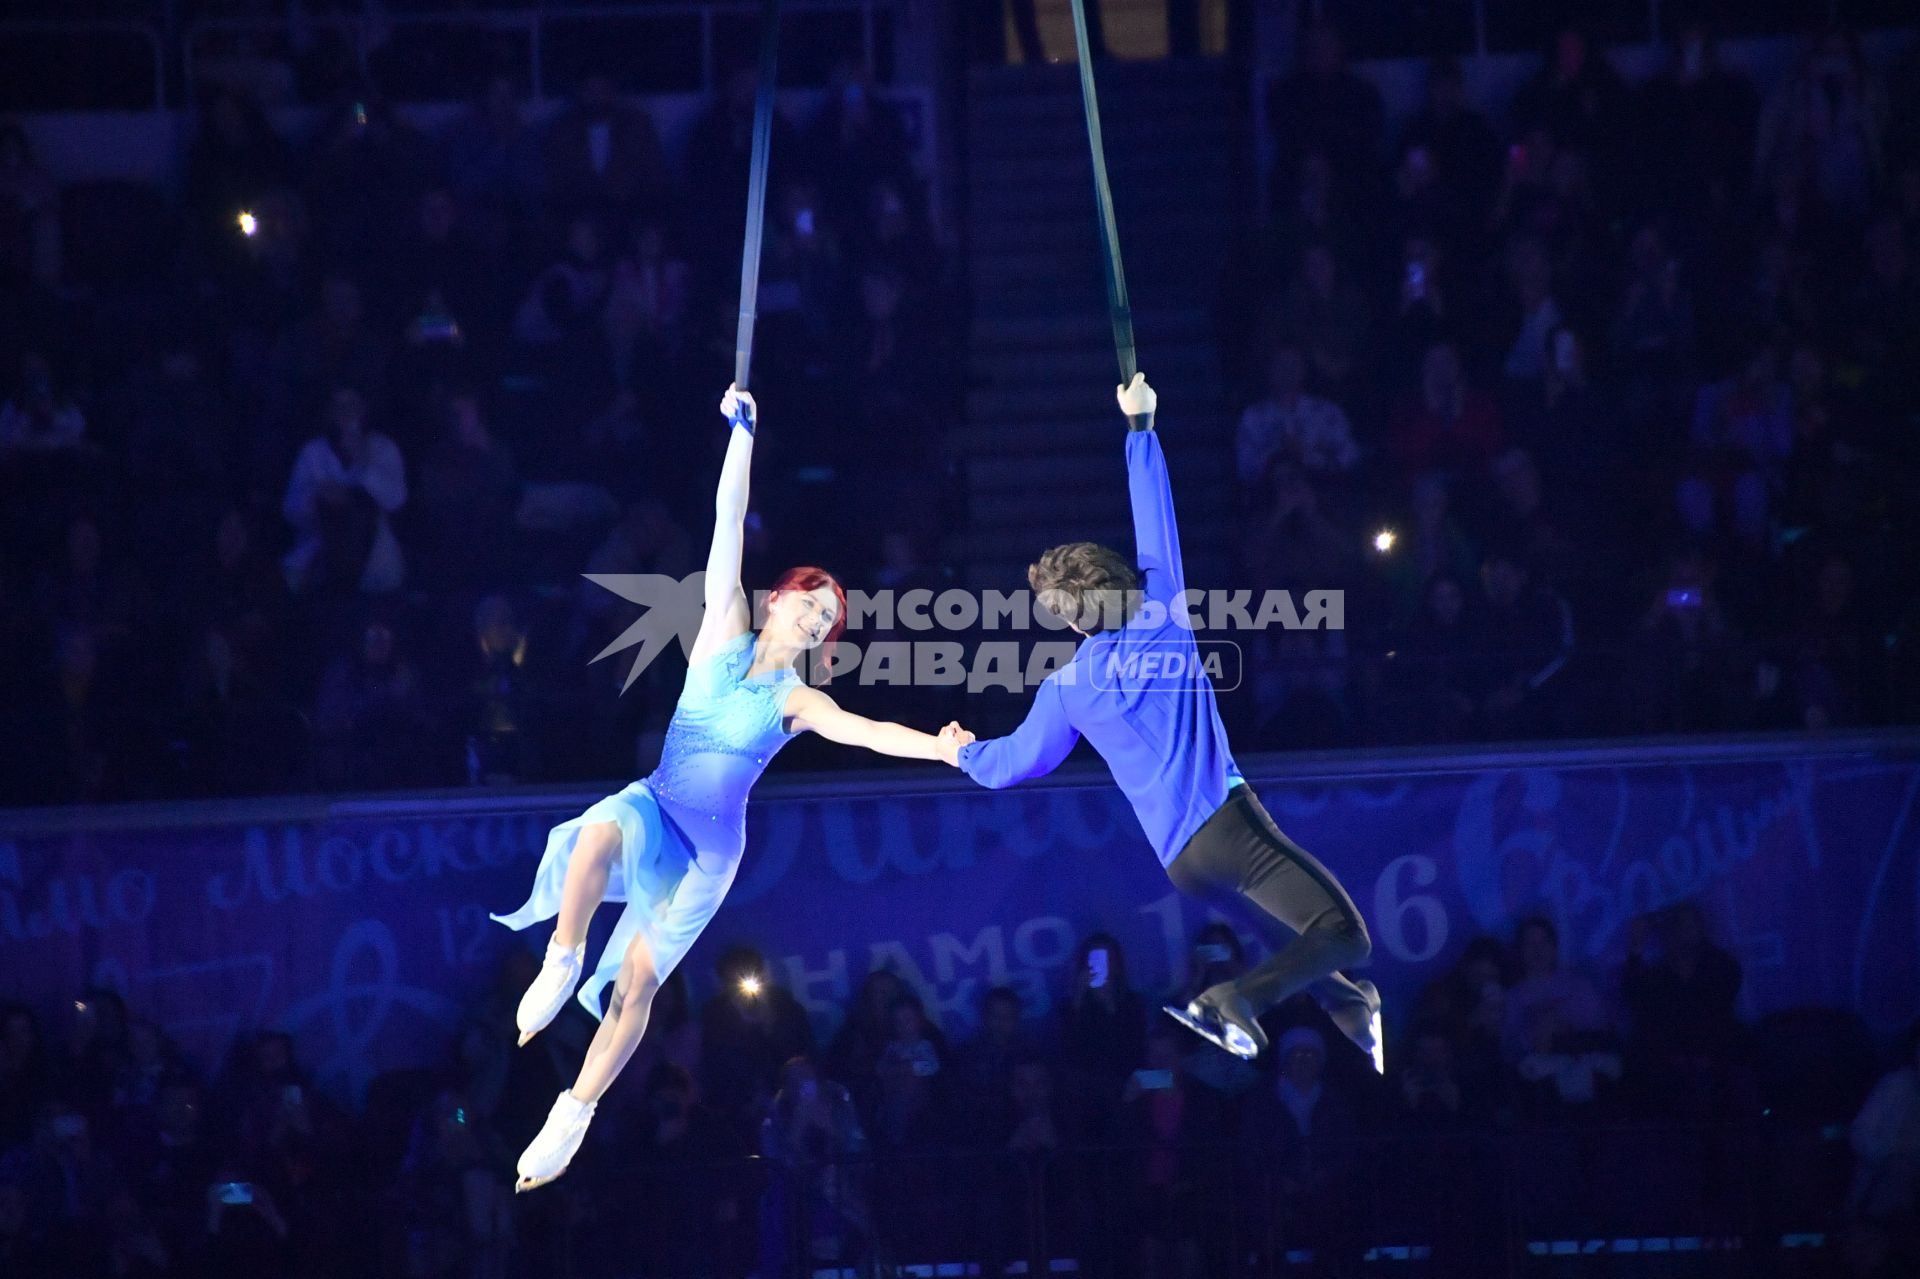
(1223, 1035)
(525, 1184)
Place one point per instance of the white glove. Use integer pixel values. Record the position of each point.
(1137, 399)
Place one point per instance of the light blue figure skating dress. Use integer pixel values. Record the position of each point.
(682, 827)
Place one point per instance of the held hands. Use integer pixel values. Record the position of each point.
(951, 739)
(737, 407)
(1138, 401)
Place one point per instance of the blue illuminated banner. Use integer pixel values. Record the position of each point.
(363, 926)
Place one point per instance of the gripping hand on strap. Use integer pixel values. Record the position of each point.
(1138, 401)
(739, 409)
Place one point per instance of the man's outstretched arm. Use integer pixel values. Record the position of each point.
(1043, 740)
(1156, 538)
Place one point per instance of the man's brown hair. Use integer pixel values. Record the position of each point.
(1089, 585)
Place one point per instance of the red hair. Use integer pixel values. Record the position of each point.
(805, 578)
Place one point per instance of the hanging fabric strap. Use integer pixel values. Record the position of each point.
(1117, 304)
(757, 193)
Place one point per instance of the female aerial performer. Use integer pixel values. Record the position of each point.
(669, 844)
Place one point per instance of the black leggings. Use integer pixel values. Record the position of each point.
(1238, 858)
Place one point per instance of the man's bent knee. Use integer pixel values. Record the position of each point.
(1359, 942)
(1347, 936)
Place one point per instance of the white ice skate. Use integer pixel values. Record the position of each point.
(559, 974)
(558, 1141)
(1224, 1019)
(1378, 1029)
(1368, 1036)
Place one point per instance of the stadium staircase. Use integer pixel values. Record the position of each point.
(1040, 449)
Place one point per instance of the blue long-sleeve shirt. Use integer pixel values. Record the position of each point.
(1138, 693)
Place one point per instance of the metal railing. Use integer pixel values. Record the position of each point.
(85, 29)
(368, 34)
(1473, 1203)
(1384, 28)
(365, 35)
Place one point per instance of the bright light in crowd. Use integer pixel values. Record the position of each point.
(248, 223)
(750, 986)
(1383, 540)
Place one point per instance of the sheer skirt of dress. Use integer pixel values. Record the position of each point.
(670, 896)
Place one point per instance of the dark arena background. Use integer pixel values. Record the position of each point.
(1575, 346)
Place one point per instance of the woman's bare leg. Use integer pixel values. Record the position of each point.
(625, 1022)
(586, 884)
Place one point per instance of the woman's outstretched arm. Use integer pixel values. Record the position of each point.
(727, 614)
(812, 711)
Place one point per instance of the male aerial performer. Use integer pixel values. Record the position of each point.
(1156, 725)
